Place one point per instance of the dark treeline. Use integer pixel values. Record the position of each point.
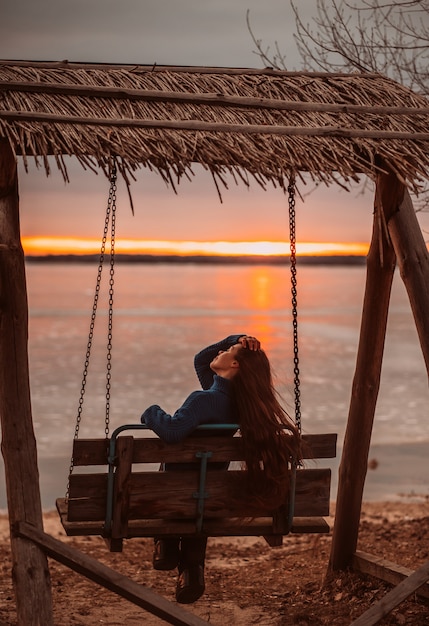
(201, 259)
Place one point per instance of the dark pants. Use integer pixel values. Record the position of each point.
(192, 551)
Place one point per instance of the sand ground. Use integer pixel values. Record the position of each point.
(247, 582)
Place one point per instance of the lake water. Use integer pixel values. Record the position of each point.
(165, 313)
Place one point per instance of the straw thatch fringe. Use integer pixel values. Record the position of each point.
(254, 124)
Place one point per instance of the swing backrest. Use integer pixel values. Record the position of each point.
(186, 501)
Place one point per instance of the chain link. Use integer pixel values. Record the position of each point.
(110, 213)
(112, 198)
(293, 272)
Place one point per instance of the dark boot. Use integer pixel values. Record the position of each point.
(190, 584)
(165, 554)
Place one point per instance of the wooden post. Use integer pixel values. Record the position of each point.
(411, 253)
(30, 571)
(394, 214)
(366, 383)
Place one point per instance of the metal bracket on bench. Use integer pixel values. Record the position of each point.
(292, 491)
(201, 494)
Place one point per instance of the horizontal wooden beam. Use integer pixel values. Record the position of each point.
(87, 452)
(394, 597)
(228, 527)
(184, 69)
(108, 578)
(169, 495)
(211, 99)
(197, 125)
(384, 570)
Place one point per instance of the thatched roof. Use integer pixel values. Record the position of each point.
(263, 123)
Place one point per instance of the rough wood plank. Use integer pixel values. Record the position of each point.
(320, 446)
(384, 570)
(212, 528)
(397, 595)
(87, 496)
(224, 449)
(77, 528)
(302, 525)
(312, 492)
(108, 578)
(170, 495)
(153, 450)
(90, 451)
(88, 485)
(121, 493)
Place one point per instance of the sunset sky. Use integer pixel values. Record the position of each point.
(56, 217)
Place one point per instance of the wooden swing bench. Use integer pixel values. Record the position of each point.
(121, 503)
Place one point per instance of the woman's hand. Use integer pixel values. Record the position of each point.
(251, 343)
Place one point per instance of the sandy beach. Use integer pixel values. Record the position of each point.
(247, 582)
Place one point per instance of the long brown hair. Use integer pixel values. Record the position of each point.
(270, 438)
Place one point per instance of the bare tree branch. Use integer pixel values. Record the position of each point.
(388, 37)
(368, 36)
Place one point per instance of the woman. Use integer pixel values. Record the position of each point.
(235, 377)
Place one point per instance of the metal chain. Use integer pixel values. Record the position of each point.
(293, 273)
(112, 200)
(110, 212)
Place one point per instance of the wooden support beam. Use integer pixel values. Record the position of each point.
(121, 495)
(108, 578)
(395, 219)
(212, 99)
(184, 69)
(411, 253)
(366, 383)
(33, 592)
(218, 127)
(391, 600)
(384, 570)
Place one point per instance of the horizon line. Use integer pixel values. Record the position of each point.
(156, 259)
(42, 246)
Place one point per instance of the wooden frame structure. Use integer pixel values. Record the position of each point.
(264, 125)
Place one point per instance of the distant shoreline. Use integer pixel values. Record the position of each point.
(200, 259)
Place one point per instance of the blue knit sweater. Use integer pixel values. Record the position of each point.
(211, 405)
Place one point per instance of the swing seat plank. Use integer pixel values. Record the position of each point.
(153, 503)
(154, 494)
(226, 527)
(87, 452)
